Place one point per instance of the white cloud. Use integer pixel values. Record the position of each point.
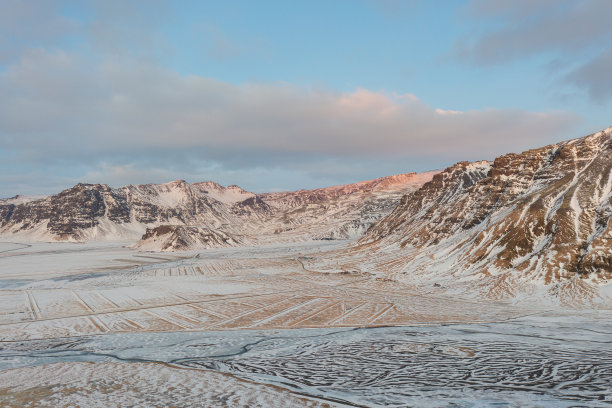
(59, 109)
(56, 102)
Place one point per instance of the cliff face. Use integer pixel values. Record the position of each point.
(339, 212)
(543, 214)
(67, 213)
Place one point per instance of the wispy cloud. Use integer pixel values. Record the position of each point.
(576, 36)
(523, 28)
(595, 76)
(26, 23)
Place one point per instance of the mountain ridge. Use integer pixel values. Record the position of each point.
(98, 212)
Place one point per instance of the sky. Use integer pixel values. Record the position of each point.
(283, 95)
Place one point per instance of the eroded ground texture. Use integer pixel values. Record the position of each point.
(105, 325)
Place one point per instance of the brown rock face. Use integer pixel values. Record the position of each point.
(74, 212)
(544, 213)
(69, 212)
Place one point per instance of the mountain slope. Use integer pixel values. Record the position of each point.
(96, 211)
(339, 212)
(180, 237)
(538, 218)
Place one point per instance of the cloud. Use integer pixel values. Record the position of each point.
(595, 76)
(98, 28)
(57, 102)
(129, 28)
(61, 111)
(508, 31)
(25, 23)
(573, 38)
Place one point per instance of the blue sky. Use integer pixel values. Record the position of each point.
(277, 95)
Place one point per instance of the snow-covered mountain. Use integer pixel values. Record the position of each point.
(19, 199)
(99, 212)
(339, 212)
(540, 218)
(523, 222)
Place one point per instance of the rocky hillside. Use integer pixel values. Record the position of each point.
(181, 237)
(339, 212)
(96, 211)
(541, 216)
(99, 212)
(399, 182)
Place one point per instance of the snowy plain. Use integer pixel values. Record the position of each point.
(103, 323)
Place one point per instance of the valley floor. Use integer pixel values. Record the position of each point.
(250, 326)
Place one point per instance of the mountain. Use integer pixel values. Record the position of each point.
(19, 199)
(540, 218)
(339, 212)
(98, 212)
(180, 237)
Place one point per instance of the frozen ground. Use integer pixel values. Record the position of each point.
(543, 360)
(111, 324)
(58, 290)
(104, 384)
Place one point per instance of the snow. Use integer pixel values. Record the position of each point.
(78, 289)
(20, 199)
(100, 323)
(226, 195)
(540, 359)
(110, 384)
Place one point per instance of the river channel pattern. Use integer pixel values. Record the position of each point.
(512, 365)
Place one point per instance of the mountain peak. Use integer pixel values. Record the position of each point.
(176, 183)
